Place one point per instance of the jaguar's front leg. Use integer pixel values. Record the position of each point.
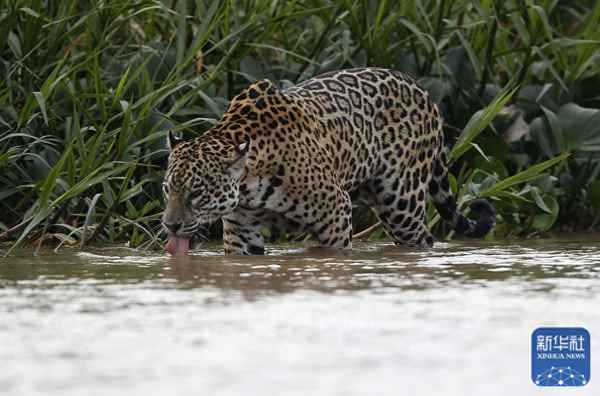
(241, 234)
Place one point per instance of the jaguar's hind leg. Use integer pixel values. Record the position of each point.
(334, 227)
(400, 203)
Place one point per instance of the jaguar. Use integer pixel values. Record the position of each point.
(291, 159)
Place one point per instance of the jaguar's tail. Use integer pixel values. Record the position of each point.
(445, 203)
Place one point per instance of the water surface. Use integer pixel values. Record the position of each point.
(381, 320)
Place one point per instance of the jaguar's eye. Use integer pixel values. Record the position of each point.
(165, 189)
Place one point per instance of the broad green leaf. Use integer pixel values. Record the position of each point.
(524, 176)
(478, 122)
(545, 221)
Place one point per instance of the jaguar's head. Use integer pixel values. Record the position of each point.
(201, 185)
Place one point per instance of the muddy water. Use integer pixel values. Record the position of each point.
(455, 320)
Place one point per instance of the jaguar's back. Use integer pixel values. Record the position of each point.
(372, 119)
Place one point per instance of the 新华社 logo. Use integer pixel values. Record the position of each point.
(560, 356)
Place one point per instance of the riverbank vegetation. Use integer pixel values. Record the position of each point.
(88, 90)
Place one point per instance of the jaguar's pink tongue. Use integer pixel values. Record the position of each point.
(177, 245)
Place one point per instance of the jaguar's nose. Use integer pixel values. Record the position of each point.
(173, 227)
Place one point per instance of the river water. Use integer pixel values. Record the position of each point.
(381, 320)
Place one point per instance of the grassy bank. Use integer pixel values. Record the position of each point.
(88, 90)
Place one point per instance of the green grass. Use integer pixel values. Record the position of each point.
(88, 90)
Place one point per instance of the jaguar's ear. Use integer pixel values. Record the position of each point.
(173, 140)
(236, 167)
(242, 148)
(261, 88)
(267, 87)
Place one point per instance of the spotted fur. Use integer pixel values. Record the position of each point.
(291, 158)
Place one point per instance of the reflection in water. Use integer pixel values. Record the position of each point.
(383, 268)
(307, 321)
(369, 266)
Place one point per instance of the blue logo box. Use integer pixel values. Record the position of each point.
(560, 356)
